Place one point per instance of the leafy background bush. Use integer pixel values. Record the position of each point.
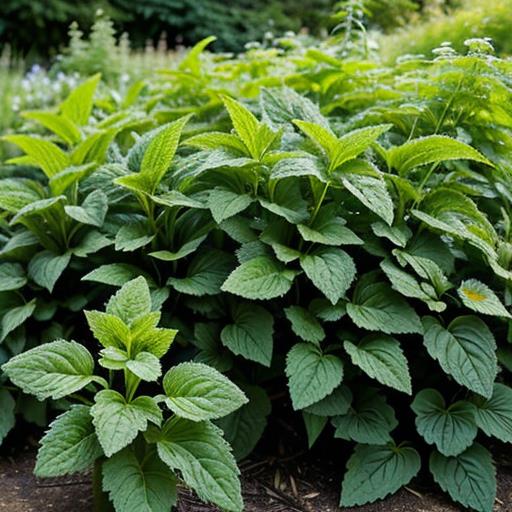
(313, 220)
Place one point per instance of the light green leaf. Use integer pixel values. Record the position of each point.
(245, 124)
(328, 229)
(117, 422)
(77, 107)
(429, 150)
(304, 324)
(131, 302)
(399, 234)
(260, 278)
(216, 140)
(92, 211)
(377, 307)
(197, 392)
(373, 472)
(69, 446)
(311, 374)
(244, 427)
(494, 416)
(13, 318)
(60, 125)
(139, 484)
(381, 358)
(199, 452)
(205, 274)
(480, 298)
(224, 203)
(114, 274)
(452, 429)
(369, 420)
(46, 267)
(145, 366)
(469, 478)
(52, 370)
(466, 350)
(17, 193)
(251, 334)
(331, 271)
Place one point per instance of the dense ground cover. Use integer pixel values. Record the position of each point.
(326, 226)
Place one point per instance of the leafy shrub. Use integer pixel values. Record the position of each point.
(352, 241)
(125, 435)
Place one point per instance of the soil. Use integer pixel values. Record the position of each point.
(273, 484)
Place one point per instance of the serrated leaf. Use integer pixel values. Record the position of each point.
(373, 472)
(133, 236)
(327, 229)
(335, 404)
(452, 429)
(465, 350)
(311, 374)
(377, 307)
(494, 416)
(304, 324)
(92, 211)
(431, 149)
(245, 125)
(244, 427)
(137, 484)
(369, 420)
(259, 278)
(131, 302)
(14, 317)
(69, 446)
(469, 478)
(398, 234)
(145, 366)
(251, 334)
(331, 271)
(224, 203)
(480, 298)
(381, 358)
(187, 248)
(205, 274)
(60, 125)
(117, 422)
(77, 107)
(114, 274)
(109, 330)
(52, 370)
(323, 309)
(197, 392)
(199, 452)
(46, 267)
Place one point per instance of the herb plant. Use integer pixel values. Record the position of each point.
(137, 448)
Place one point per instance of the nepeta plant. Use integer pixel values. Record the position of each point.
(137, 448)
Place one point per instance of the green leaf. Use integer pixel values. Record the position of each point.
(376, 307)
(381, 358)
(205, 274)
(7, 418)
(399, 234)
(251, 334)
(77, 107)
(287, 202)
(259, 278)
(133, 236)
(494, 416)
(197, 392)
(304, 324)
(148, 338)
(92, 211)
(245, 124)
(38, 209)
(92, 242)
(311, 374)
(480, 298)
(331, 271)
(224, 203)
(323, 309)
(139, 484)
(46, 267)
(466, 350)
(204, 460)
(314, 426)
(429, 150)
(131, 302)
(145, 366)
(372, 192)
(215, 140)
(369, 420)
(15, 317)
(207, 340)
(12, 277)
(452, 429)
(469, 478)
(373, 472)
(52, 370)
(60, 125)
(114, 274)
(69, 446)
(335, 404)
(244, 427)
(186, 249)
(109, 330)
(117, 422)
(17, 193)
(160, 152)
(295, 167)
(42, 153)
